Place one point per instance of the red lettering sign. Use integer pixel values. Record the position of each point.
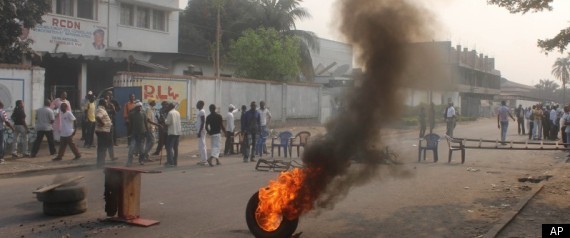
(157, 92)
(66, 23)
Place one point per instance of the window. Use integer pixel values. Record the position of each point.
(143, 17)
(127, 14)
(158, 20)
(64, 7)
(86, 9)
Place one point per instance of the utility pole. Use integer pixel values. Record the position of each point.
(218, 38)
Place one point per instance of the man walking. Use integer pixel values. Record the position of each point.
(89, 121)
(265, 119)
(162, 129)
(450, 119)
(214, 127)
(44, 121)
(21, 132)
(150, 114)
(250, 127)
(230, 127)
(3, 122)
(113, 108)
(200, 126)
(520, 119)
(422, 119)
(127, 108)
(67, 132)
(172, 140)
(503, 121)
(137, 128)
(103, 131)
(56, 107)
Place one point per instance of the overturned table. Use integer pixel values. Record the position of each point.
(123, 193)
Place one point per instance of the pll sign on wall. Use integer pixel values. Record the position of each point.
(175, 91)
(67, 35)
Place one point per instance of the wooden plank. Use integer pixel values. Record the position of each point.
(133, 169)
(509, 216)
(56, 185)
(129, 206)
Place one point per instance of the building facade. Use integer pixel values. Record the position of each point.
(461, 76)
(83, 43)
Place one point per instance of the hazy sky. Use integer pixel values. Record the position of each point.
(493, 31)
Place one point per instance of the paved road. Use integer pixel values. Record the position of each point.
(435, 200)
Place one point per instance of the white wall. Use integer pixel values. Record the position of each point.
(22, 83)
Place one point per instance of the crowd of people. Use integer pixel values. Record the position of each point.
(56, 121)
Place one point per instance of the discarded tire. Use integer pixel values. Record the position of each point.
(285, 229)
(63, 195)
(65, 208)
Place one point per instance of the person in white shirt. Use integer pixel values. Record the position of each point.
(67, 131)
(553, 123)
(265, 119)
(201, 129)
(230, 127)
(450, 119)
(172, 140)
(55, 106)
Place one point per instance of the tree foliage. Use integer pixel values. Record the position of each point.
(265, 54)
(282, 15)
(561, 71)
(560, 41)
(547, 86)
(197, 27)
(15, 14)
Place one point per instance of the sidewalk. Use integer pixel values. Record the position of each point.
(187, 150)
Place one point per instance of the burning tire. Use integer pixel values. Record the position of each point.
(285, 229)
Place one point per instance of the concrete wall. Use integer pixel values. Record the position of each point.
(287, 102)
(20, 82)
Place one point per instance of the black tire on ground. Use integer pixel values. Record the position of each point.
(63, 195)
(286, 229)
(65, 208)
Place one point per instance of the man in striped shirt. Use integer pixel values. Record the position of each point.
(103, 131)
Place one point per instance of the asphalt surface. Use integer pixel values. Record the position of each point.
(432, 200)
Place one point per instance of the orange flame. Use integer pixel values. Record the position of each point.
(283, 198)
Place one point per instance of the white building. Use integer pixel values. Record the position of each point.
(83, 43)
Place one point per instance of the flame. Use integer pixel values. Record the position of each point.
(285, 197)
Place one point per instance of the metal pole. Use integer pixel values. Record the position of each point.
(218, 33)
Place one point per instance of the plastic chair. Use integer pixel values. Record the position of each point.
(432, 141)
(303, 139)
(455, 145)
(282, 142)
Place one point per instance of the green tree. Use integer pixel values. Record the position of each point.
(265, 54)
(197, 27)
(546, 88)
(560, 41)
(561, 71)
(15, 14)
(282, 15)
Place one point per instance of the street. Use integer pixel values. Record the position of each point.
(428, 200)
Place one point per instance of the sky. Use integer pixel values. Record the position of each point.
(490, 30)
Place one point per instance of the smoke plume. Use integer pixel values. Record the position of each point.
(380, 32)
